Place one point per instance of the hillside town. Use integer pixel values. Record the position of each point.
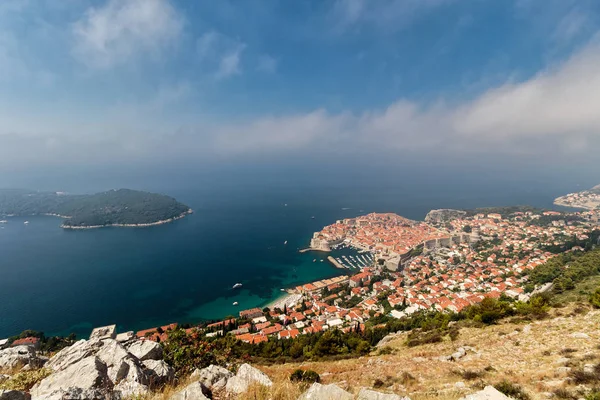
(586, 199)
(443, 275)
(452, 264)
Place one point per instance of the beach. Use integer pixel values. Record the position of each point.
(289, 300)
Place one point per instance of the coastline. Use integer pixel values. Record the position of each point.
(287, 299)
(162, 222)
(559, 202)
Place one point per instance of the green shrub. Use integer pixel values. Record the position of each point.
(595, 298)
(512, 390)
(24, 381)
(306, 376)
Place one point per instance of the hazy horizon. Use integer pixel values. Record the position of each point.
(91, 86)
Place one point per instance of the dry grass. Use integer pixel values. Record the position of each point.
(527, 359)
(24, 381)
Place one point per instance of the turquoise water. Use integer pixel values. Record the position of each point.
(62, 281)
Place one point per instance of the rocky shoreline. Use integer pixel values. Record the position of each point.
(162, 222)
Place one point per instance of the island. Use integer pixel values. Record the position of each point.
(119, 208)
(586, 199)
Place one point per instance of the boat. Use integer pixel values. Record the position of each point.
(321, 260)
(235, 303)
(4, 221)
(285, 242)
(315, 260)
(313, 217)
(26, 222)
(283, 290)
(237, 285)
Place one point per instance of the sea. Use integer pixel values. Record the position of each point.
(249, 232)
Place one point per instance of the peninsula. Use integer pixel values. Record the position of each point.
(121, 208)
(586, 199)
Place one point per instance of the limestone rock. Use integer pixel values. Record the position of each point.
(246, 376)
(145, 350)
(213, 377)
(159, 372)
(17, 357)
(116, 358)
(579, 335)
(325, 392)
(367, 394)
(488, 393)
(14, 395)
(73, 354)
(89, 373)
(194, 391)
(80, 394)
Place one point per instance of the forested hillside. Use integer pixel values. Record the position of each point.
(114, 207)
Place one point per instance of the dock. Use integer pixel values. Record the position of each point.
(335, 263)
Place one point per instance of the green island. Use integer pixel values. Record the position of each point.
(122, 207)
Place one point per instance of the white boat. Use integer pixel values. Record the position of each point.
(237, 285)
(285, 242)
(315, 260)
(235, 303)
(4, 221)
(283, 290)
(26, 222)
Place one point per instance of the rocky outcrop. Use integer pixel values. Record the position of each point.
(145, 350)
(246, 376)
(194, 391)
(73, 354)
(15, 358)
(14, 395)
(213, 377)
(105, 367)
(488, 393)
(159, 372)
(442, 216)
(89, 373)
(325, 392)
(367, 394)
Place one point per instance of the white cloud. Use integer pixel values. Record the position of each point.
(267, 64)
(122, 30)
(552, 114)
(386, 15)
(220, 54)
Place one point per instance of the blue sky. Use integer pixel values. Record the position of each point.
(95, 81)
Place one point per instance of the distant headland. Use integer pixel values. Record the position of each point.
(586, 199)
(119, 208)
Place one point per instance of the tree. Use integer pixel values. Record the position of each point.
(467, 229)
(595, 298)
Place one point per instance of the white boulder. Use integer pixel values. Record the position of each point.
(213, 377)
(145, 350)
(89, 373)
(325, 392)
(158, 372)
(246, 376)
(367, 394)
(488, 393)
(17, 357)
(194, 391)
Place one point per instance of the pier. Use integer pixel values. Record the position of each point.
(335, 263)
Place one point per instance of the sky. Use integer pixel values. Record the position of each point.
(91, 83)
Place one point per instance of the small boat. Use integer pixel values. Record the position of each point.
(321, 260)
(285, 242)
(283, 290)
(26, 222)
(235, 303)
(237, 285)
(313, 217)
(4, 221)
(315, 260)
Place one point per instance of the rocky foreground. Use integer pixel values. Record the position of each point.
(107, 369)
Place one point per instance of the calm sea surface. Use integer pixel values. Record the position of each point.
(62, 281)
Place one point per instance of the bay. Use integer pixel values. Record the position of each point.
(62, 281)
